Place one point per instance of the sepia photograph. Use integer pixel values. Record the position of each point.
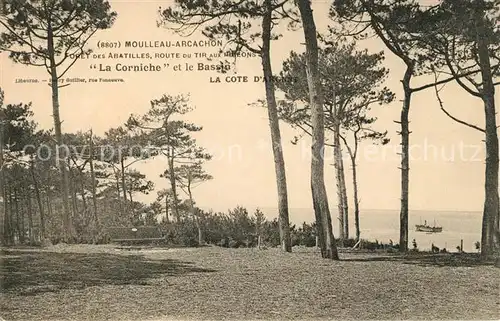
(249, 160)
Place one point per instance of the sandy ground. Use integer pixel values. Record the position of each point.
(83, 282)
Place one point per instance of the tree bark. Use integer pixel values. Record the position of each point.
(61, 161)
(272, 110)
(491, 202)
(405, 160)
(340, 198)
(356, 198)
(345, 202)
(318, 132)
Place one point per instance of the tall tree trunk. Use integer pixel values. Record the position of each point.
(62, 160)
(72, 190)
(30, 221)
(356, 198)
(11, 216)
(124, 188)
(19, 219)
(343, 207)
(272, 111)
(345, 202)
(201, 238)
(491, 202)
(405, 160)
(48, 199)
(167, 220)
(93, 184)
(39, 201)
(340, 199)
(7, 222)
(320, 231)
(173, 184)
(318, 131)
(82, 191)
(3, 215)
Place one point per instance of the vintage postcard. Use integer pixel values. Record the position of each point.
(249, 159)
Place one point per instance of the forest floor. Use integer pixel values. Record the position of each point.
(85, 282)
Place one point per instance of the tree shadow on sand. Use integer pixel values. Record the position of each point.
(428, 259)
(32, 272)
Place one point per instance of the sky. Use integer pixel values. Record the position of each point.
(446, 169)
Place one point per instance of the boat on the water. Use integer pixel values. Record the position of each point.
(427, 228)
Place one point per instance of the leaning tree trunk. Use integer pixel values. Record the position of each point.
(320, 231)
(405, 161)
(61, 161)
(491, 202)
(318, 131)
(272, 110)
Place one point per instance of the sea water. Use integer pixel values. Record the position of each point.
(383, 225)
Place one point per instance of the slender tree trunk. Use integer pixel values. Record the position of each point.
(30, 221)
(72, 190)
(82, 191)
(93, 184)
(7, 222)
(167, 220)
(20, 228)
(201, 238)
(39, 201)
(11, 216)
(132, 207)
(318, 132)
(405, 161)
(124, 188)
(62, 160)
(338, 176)
(491, 202)
(356, 198)
(272, 110)
(345, 202)
(3, 215)
(173, 184)
(49, 202)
